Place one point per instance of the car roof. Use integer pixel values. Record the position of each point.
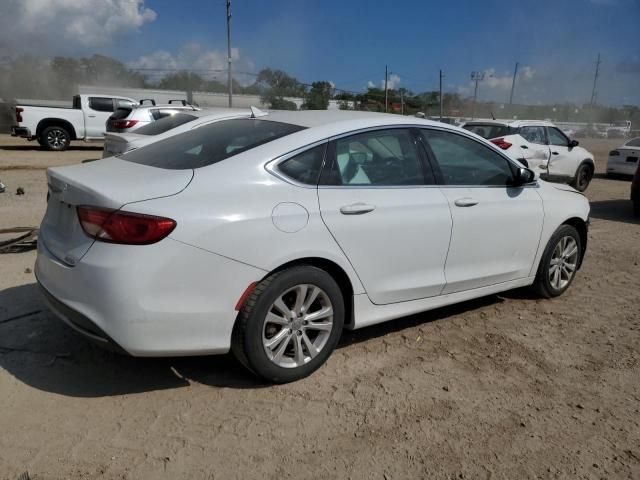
(348, 119)
(512, 123)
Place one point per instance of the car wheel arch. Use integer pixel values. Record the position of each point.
(56, 122)
(581, 226)
(337, 273)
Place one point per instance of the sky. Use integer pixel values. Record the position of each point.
(349, 42)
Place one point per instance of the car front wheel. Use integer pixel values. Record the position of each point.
(583, 177)
(559, 262)
(289, 324)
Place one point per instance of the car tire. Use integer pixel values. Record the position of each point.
(289, 324)
(559, 263)
(55, 138)
(583, 177)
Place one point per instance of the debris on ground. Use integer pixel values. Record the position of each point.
(2, 187)
(26, 239)
(20, 191)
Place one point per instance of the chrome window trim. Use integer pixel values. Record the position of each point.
(271, 165)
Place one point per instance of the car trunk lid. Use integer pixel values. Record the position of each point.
(110, 183)
(118, 143)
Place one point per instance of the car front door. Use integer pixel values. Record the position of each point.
(496, 227)
(535, 148)
(564, 160)
(96, 113)
(379, 201)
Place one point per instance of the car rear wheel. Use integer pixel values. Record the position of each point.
(559, 262)
(55, 138)
(289, 324)
(583, 177)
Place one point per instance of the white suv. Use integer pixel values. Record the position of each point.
(542, 147)
(129, 119)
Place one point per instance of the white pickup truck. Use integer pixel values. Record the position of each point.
(55, 127)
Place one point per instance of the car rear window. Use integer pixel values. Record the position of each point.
(165, 124)
(489, 130)
(120, 113)
(209, 144)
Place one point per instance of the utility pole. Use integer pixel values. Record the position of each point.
(513, 84)
(386, 94)
(595, 80)
(476, 77)
(229, 77)
(441, 99)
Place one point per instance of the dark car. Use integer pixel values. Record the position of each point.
(635, 192)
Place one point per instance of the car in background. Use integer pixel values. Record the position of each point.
(624, 159)
(269, 236)
(119, 143)
(635, 192)
(133, 117)
(55, 127)
(542, 147)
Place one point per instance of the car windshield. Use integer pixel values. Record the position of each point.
(488, 130)
(210, 144)
(165, 124)
(634, 143)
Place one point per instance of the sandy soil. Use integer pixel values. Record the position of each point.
(507, 386)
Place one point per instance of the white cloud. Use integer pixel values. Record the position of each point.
(65, 26)
(210, 64)
(392, 83)
(496, 82)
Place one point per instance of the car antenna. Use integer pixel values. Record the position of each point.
(256, 112)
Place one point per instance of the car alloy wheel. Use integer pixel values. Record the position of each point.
(297, 326)
(56, 138)
(564, 262)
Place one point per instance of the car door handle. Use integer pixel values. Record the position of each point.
(555, 153)
(466, 202)
(357, 209)
(91, 116)
(524, 146)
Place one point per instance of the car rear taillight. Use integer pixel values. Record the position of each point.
(129, 228)
(19, 114)
(122, 124)
(614, 153)
(502, 143)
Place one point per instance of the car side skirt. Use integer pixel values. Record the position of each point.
(366, 313)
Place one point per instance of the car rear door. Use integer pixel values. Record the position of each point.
(96, 113)
(378, 199)
(496, 227)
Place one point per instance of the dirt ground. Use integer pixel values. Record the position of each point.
(505, 387)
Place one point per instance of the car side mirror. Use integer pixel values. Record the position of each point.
(573, 143)
(524, 176)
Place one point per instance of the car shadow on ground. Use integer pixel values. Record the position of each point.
(34, 146)
(613, 177)
(40, 351)
(614, 210)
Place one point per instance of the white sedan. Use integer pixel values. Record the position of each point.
(624, 159)
(267, 236)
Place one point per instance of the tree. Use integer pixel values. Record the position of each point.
(279, 85)
(318, 97)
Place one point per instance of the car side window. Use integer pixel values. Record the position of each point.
(101, 104)
(534, 135)
(556, 137)
(464, 161)
(304, 167)
(376, 158)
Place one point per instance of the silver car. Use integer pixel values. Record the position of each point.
(119, 143)
(129, 119)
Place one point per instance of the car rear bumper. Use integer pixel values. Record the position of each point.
(23, 132)
(164, 299)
